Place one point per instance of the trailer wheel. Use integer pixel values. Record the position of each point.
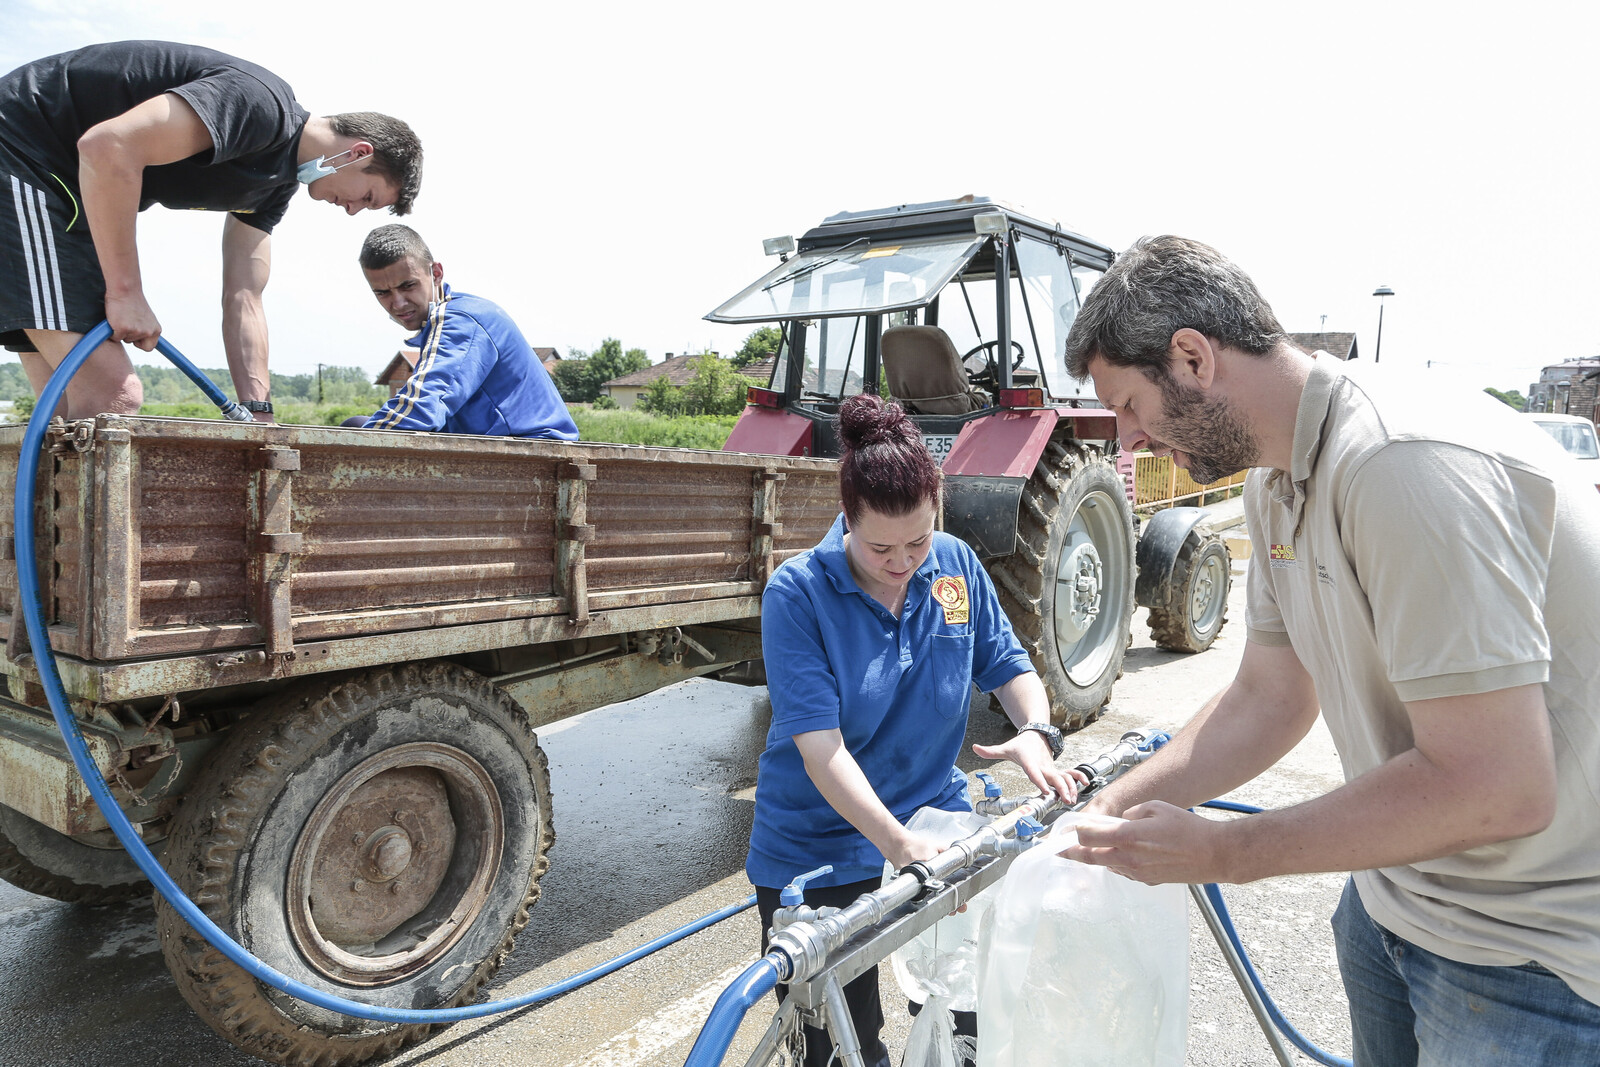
(1068, 587)
(83, 869)
(1201, 578)
(381, 839)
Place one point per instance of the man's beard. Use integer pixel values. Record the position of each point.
(1226, 443)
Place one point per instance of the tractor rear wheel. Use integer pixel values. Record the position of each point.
(1068, 587)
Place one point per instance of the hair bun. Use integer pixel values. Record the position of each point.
(866, 419)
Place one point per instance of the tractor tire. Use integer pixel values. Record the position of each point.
(1202, 576)
(89, 869)
(380, 838)
(1068, 587)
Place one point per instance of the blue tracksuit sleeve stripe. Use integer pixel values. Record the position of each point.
(476, 374)
(456, 359)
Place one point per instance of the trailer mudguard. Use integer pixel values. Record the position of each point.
(1159, 543)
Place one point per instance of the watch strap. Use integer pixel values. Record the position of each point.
(1051, 735)
(257, 405)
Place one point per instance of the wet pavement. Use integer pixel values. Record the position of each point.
(652, 811)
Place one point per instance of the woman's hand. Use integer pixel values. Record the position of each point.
(908, 848)
(1031, 751)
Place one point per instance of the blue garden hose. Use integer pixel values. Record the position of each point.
(32, 606)
(1213, 893)
(755, 982)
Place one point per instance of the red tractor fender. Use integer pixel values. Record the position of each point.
(1008, 444)
(771, 432)
(990, 463)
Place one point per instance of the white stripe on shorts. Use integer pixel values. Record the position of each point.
(44, 273)
(27, 251)
(55, 267)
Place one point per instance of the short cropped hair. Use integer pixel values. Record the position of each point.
(396, 152)
(390, 244)
(1158, 287)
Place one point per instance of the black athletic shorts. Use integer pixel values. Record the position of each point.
(49, 274)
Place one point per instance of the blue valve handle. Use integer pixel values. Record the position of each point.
(990, 787)
(794, 892)
(1028, 828)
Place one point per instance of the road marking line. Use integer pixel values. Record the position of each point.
(671, 1024)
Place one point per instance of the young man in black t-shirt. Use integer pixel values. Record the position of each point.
(90, 138)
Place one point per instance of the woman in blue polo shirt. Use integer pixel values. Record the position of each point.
(872, 642)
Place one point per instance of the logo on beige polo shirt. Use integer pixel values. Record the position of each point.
(1281, 556)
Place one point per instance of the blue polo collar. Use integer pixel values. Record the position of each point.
(830, 554)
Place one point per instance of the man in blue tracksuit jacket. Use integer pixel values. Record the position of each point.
(477, 373)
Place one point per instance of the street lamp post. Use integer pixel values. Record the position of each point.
(1380, 292)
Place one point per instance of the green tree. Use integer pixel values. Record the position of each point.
(572, 380)
(579, 377)
(662, 398)
(762, 342)
(716, 389)
(1513, 398)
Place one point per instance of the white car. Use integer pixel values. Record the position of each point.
(1577, 436)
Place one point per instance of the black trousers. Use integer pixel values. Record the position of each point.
(860, 996)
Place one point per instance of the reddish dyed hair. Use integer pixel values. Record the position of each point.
(885, 466)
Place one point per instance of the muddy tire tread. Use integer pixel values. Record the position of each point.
(244, 782)
(1019, 577)
(1169, 625)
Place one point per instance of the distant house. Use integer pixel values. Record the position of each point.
(677, 370)
(1337, 345)
(1567, 388)
(398, 371)
(549, 357)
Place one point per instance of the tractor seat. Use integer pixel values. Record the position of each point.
(925, 373)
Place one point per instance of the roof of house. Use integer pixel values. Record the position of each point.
(677, 370)
(1338, 345)
(406, 356)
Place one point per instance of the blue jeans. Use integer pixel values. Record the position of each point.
(1411, 1008)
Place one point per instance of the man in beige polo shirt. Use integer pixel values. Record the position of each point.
(1426, 569)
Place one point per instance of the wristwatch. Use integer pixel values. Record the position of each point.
(257, 405)
(1051, 734)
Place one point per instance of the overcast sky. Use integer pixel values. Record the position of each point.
(611, 169)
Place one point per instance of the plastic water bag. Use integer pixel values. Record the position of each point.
(1080, 967)
(943, 959)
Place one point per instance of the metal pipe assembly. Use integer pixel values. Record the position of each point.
(816, 952)
(32, 607)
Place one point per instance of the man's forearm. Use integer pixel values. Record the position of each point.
(111, 189)
(244, 339)
(1235, 736)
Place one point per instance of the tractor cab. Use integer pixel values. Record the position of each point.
(955, 309)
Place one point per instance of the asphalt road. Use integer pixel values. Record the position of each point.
(652, 805)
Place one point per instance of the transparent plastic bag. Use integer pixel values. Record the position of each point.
(1079, 967)
(942, 961)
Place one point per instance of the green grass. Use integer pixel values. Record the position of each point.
(292, 412)
(613, 427)
(642, 428)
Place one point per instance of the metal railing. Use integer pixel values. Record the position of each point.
(1160, 483)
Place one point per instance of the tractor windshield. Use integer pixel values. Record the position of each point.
(859, 278)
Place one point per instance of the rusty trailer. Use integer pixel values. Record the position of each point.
(310, 662)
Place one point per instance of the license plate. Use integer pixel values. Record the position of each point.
(939, 444)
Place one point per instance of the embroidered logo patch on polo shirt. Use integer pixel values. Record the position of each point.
(951, 593)
(1282, 555)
